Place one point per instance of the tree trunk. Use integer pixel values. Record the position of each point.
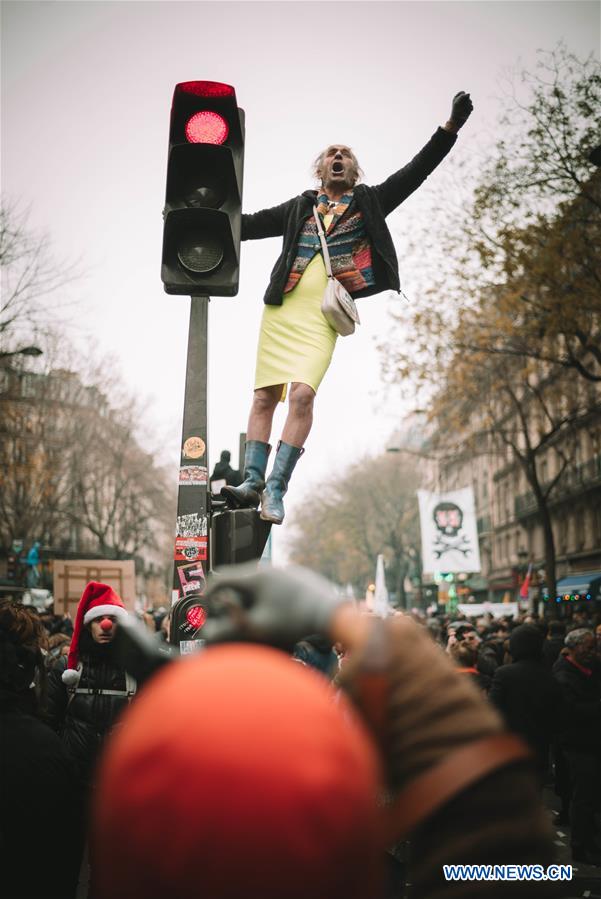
(549, 544)
(529, 466)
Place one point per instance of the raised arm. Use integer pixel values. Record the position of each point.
(401, 184)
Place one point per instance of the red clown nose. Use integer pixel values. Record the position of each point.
(106, 624)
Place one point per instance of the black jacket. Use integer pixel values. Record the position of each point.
(39, 808)
(83, 719)
(375, 203)
(530, 701)
(582, 697)
(551, 649)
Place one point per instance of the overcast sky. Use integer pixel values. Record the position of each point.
(86, 93)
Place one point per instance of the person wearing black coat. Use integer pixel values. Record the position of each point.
(527, 695)
(223, 471)
(296, 348)
(84, 716)
(87, 690)
(36, 778)
(579, 678)
(553, 643)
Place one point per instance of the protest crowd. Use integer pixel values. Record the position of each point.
(311, 746)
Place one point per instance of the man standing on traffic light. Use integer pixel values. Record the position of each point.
(296, 342)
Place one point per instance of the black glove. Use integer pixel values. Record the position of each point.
(462, 109)
(136, 650)
(268, 605)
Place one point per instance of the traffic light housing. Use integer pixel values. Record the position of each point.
(203, 202)
(188, 615)
(237, 535)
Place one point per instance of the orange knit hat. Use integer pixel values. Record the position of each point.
(237, 773)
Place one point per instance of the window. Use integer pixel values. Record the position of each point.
(28, 386)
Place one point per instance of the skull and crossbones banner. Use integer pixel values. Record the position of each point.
(449, 531)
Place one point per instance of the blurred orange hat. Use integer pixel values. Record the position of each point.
(238, 772)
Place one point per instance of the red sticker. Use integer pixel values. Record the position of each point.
(196, 616)
(192, 578)
(190, 549)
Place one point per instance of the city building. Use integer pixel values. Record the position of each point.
(74, 479)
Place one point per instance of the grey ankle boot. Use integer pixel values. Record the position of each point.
(272, 505)
(248, 494)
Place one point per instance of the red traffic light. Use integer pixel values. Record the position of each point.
(203, 196)
(206, 127)
(196, 616)
(207, 88)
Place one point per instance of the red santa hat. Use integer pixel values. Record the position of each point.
(238, 752)
(97, 601)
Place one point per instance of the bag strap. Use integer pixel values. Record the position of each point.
(324, 244)
(432, 789)
(130, 685)
(100, 691)
(437, 786)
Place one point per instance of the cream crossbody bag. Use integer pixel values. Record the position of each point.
(337, 305)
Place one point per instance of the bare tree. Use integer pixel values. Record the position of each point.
(29, 276)
(513, 305)
(514, 258)
(371, 509)
(33, 458)
(120, 495)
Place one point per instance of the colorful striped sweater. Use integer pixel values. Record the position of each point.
(348, 246)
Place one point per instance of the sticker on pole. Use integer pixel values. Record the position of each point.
(187, 647)
(191, 525)
(193, 476)
(194, 448)
(190, 549)
(191, 578)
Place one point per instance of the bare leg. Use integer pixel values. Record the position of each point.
(300, 414)
(265, 400)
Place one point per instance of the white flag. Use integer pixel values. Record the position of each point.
(449, 531)
(380, 600)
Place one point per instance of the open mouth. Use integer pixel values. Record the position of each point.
(337, 168)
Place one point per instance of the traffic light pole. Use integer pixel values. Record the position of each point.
(203, 539)
(192, 550)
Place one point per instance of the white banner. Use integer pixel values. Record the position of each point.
(449, 531)
(496, 609)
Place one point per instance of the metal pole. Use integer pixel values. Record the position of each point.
(241, 451)
(192, 550)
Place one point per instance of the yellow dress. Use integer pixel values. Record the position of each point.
(296, 342)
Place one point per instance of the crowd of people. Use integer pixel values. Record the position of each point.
(544, 677)
(237, 755)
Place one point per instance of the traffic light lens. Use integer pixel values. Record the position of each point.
(212, 194)
(207, 88)
(196, 616)
(206, 127)
(200, 252)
